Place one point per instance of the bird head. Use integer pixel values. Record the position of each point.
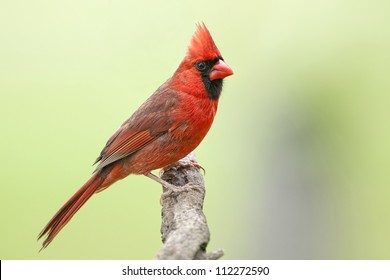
(203, 66)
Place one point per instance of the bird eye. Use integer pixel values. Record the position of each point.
(201, 65)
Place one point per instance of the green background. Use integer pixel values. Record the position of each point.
(298, 157)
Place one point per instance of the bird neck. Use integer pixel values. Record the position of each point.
(194, 83)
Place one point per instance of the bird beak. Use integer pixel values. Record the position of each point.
(220, 70)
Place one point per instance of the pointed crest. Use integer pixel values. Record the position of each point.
(202, 45)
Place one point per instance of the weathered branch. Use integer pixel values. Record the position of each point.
(184, 229)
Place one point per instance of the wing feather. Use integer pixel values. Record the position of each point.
(128, 145)
(148, 123)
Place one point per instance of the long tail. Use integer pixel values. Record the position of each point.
(67, 211)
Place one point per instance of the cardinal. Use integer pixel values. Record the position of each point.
(170, 124)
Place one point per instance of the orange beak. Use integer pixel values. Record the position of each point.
(220, 70)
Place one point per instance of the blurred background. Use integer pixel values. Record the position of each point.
(298, 157)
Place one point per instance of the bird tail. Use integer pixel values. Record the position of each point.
(67, 211)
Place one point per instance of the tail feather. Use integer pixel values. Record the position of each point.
(69, 209)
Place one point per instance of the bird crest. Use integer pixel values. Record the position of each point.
(202, 45)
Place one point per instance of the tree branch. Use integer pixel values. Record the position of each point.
(184, 229)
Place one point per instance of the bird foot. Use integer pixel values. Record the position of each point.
(169, 189)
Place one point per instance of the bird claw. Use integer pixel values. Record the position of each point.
(195, 164)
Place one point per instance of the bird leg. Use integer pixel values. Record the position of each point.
(160, 181)
(172, 188)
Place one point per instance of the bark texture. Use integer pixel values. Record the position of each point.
(184, 229)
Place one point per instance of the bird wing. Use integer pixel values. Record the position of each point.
(149, 122)
(125, 144)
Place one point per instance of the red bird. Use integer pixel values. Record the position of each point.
(167, 127)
